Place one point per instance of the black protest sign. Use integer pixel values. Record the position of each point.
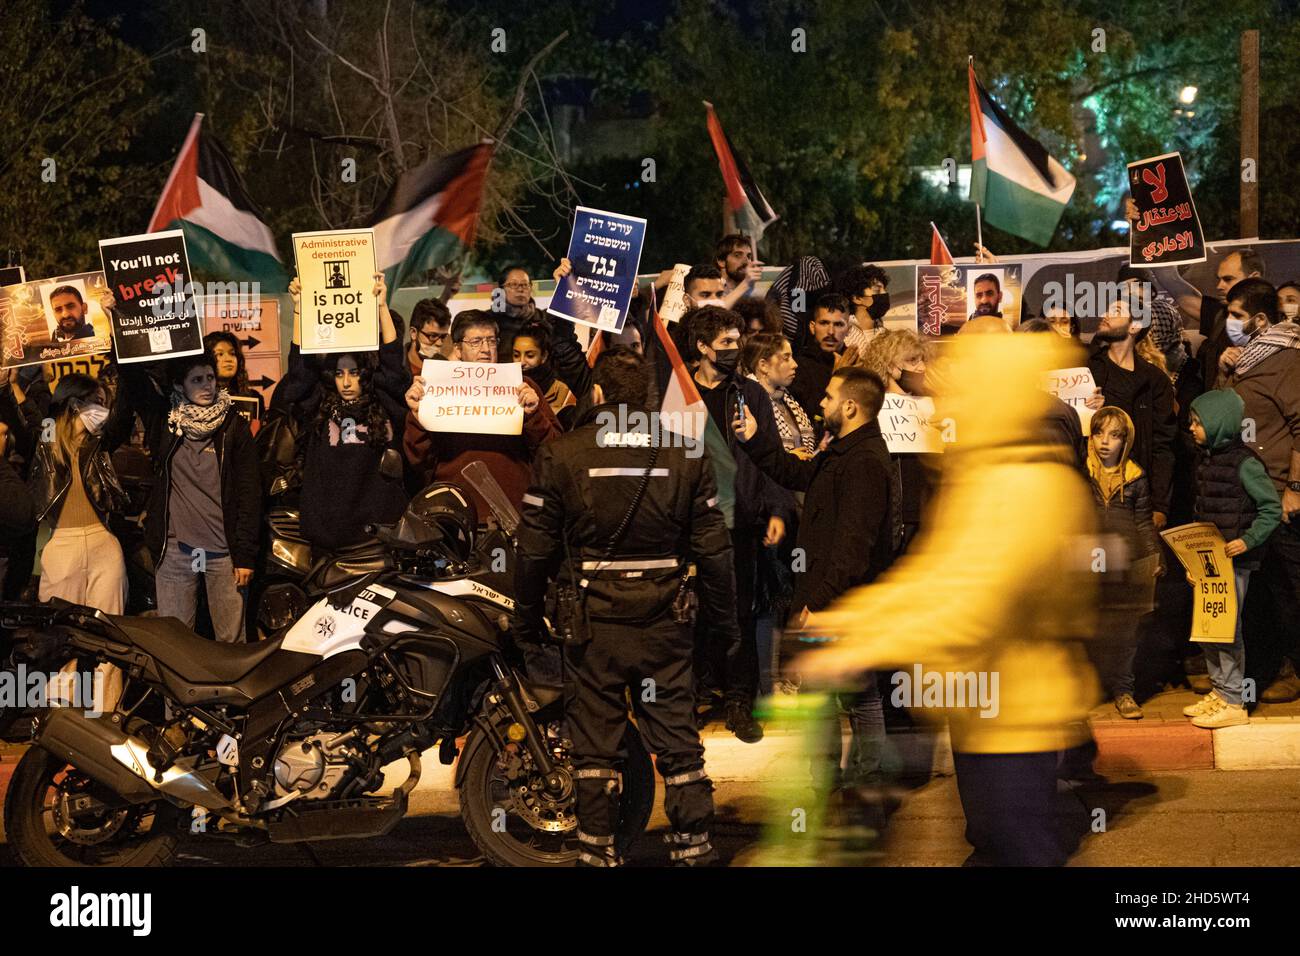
(1167, 231)
(154, 315)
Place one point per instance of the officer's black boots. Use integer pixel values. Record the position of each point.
(741, 722)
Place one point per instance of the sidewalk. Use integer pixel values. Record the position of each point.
(1163, 740)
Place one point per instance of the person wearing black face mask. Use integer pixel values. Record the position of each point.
(867, 290)
(763, 509)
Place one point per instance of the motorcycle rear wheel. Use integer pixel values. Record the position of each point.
(514, 841)
(46, 828)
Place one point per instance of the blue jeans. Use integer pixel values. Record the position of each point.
(866, 712)
(177, 586)
(1227, 662)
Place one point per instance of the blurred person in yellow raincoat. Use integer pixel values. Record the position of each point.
(995, 593)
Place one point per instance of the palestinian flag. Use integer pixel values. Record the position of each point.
(939, 254)
(430, 215)
(681, 409)
(225, 235)
(1021, 189)
(750, 209)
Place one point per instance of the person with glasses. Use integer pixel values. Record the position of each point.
(440, 456)
(430, 334)
(514, 306)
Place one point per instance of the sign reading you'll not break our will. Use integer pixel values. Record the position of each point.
(153, 314)
(337, 273)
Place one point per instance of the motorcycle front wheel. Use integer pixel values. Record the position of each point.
(514, 822)
(57, 816)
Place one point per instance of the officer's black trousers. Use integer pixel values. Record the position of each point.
(654, 664)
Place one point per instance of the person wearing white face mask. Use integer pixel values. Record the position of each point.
(1288, 300)
(75, 489)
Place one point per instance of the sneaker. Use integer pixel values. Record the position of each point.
(741, 722)
(1285, 687)
(1204, 705)
(1128, 708)
(1223, 715)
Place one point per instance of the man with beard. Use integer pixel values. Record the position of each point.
(69, 310)
(988, 296)
(1128, 381)
(823, 353)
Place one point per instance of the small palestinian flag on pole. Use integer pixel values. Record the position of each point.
(430, 216)
(747, 205)
(682, 410)
(225, 236)
(1020, 187)
(939, 254)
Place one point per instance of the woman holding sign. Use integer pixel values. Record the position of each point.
(345, 403)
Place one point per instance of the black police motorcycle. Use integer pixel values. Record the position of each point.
(285, 740)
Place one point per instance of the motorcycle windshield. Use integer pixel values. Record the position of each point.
(477, 474)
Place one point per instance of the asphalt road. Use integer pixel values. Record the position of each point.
(1194, 818)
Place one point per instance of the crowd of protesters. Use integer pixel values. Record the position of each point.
(820, 506)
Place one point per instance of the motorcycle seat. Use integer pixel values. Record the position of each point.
(195, 659)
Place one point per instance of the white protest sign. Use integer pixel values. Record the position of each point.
(674, 304)
(905, 424)
(1074, 386)
(475, 397)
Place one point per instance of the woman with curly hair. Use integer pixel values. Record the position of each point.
(344, 403)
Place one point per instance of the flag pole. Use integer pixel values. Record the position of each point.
(979, 235)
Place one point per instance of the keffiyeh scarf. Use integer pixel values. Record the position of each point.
(1284, 335)
(197, 422)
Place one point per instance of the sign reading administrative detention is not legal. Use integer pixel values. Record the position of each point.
(153, 315)
(337, 271)
(605, 252)
(475, 397)
(1199, 547)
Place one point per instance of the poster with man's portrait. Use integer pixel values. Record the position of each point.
(48, 320)
(949, 296)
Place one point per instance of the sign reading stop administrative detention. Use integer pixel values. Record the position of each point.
(337, 271)
(153, 315)
(475, 397)
(605, 252)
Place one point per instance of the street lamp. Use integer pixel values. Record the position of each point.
(1188, 95)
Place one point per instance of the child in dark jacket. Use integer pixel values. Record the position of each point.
(1122, 494)
(1234, 491)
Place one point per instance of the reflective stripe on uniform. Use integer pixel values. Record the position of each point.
(690, 776)
(599, 840)
(592, 860)
(595, 773)
(533, 500)
(625, 472)
(630, 565)
(687, 853)
(686, 839)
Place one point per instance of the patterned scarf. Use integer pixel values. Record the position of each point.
(807, 274)
(197, 422)
(802, 433)
(1284, 335)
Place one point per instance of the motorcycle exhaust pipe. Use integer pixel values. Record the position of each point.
(101, 751)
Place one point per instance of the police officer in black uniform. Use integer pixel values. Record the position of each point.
(621, 516)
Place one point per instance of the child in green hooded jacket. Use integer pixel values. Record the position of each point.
(1234, 491)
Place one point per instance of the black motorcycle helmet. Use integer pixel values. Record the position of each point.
(449, 509)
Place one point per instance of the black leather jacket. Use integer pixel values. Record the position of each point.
(50, 481)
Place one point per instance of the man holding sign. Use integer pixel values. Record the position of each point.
(460, 412)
